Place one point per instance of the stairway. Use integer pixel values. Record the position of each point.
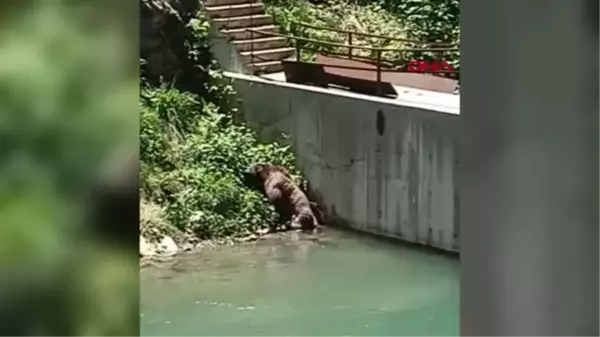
(260, 54)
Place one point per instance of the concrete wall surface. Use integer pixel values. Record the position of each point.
(224, 52)
(379, 165)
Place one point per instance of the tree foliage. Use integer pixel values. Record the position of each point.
(422, 20)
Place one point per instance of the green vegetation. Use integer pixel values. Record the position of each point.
(422, 20)
(193, 149)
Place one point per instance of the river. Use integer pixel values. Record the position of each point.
(289, 285)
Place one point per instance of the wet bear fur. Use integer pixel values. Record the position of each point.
(290, 202)
(305, 189)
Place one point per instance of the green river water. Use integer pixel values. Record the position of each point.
(289, 285)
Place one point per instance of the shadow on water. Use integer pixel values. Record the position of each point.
(291, 284)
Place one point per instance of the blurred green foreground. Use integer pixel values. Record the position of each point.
(68, 136)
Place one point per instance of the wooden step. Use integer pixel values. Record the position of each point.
(243, 34)
(243, 21)
(224, 11)
(267, 55)
(271, 42)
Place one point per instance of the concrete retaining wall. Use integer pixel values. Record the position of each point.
(381, 166)
(224, 52)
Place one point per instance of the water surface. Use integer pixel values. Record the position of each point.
(346, 285)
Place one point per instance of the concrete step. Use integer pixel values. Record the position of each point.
(243, 21)
(267, 55)
(226, 2)
(272, 42)
(224, 11)
(243, 34)
(267, 67)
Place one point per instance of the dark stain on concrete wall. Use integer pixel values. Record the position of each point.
(380, 122)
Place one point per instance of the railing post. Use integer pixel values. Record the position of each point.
(440, 60)
(296, 42)
(401, 63)
(378, 72)
(350, 45)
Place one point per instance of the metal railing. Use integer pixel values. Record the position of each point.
(378, 61)
(350, 34)
(420, 46)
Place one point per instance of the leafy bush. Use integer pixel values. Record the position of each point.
(153, 222)
(428, 20)
(193, 149)
(431, 20)
(340, 14)
(192, 157)
(422, 20)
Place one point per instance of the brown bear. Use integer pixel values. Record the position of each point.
(290, 202)
(305, 189)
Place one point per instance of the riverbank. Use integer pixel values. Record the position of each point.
(166, 247)
(194, 143)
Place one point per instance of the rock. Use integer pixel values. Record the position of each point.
(205, 244)
(146, 262)
(248, 238)
(167, 246)
(263, 231)
(187, 246)
(146, 248)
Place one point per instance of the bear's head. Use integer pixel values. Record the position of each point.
(255, 176)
